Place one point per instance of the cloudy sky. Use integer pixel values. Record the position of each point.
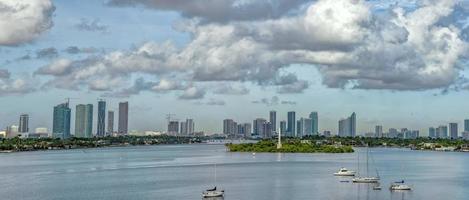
(398, 63)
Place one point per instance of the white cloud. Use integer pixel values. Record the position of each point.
(22, 21)
(193, 93)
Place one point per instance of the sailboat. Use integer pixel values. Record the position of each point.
(213, 192)
(399, 185)
(367, 178)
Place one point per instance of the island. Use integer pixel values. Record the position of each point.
(289, 146)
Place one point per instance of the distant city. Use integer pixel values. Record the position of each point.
(260, 128)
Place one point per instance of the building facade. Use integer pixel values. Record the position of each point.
(24, 124)
(84, 120)
(110, 122)
(101, 125)
(61, 121)
(291, 122)
(122, 127)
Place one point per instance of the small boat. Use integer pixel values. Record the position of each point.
(365, 180)
(213, 193)
(400, 185)
(344, 172)
(377, 187)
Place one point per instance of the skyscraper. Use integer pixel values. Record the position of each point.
(431, 132)
(258, 127)
(24, 124)
(291, 121)
(442, 131)
(247, 130)
(283, 128)
(101, 131)
(183, 129)
(190, 126)
(306, 129)
(348, 126)
(273, 120)
(229, 127)
(378, 131)
(466, 125)
(314, 122)
(84, 120)
(173, 127)
(110, 122)
(61, 121)
(122, 127)
(266, 130)
(453, 130)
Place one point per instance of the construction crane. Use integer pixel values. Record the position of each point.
(68, 99)
(169, 117)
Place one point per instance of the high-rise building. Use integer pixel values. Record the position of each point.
(431, 132)
(273, 120)
(283, 128)
(122, 127)
(190, 126)
(314, 122)
(307, 128)
(12, 131)
(110, 122)
(230, 127)
(348, 126)
(247, 130)
(442, 132)
(173, 127)
(466, 125)
(378, 131)
(101, 130)
(291, 121)
(392, 133)
(453, 130)
(266, 130)
(258, 127)
(61, 121)
(24, 121)
(84, 120)
(183, 129)
(299, 129)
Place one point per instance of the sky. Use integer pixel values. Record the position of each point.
(396, 63)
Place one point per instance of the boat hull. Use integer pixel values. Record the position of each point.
(365, 180)
(209, 194)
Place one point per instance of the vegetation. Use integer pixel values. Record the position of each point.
(289, 146)
(30, 144)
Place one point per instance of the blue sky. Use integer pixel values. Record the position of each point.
(395, 63)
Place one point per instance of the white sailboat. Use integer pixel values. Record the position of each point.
(213, 192)
(367, 178)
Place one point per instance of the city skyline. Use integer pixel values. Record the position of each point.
(196, 64)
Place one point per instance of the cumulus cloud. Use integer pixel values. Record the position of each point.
(58, 67)
(266, 101)
(230, 89)
(352, 47)
(14, 86)
(193, 93)
(92, 25)
(22, 21)
(220, 10)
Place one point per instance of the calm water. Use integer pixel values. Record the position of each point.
(183, 171)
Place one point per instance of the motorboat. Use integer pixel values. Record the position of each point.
(213, 193)
(344, 172)
(400, 185)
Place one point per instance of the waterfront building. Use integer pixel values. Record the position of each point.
(348, 126)
(283, 128)
(122, 126)
(61, 121)
(101, 126)
(314, 122)
(442, 132)
(466, 125)
(229, 128)
(12, 131)
(299, 128)
(453, 130)
(183, 129)
(258, 127)
(431, 132)
(84, 120)
(173, 127)
(247, 130)
(266, 130)
(110, 122)
(306, 127)
(465, 135)
(41, 130)
(291, 121)
(273, 120)
(190, 125)
(392, 133)
(24, 124)
(378, 131)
